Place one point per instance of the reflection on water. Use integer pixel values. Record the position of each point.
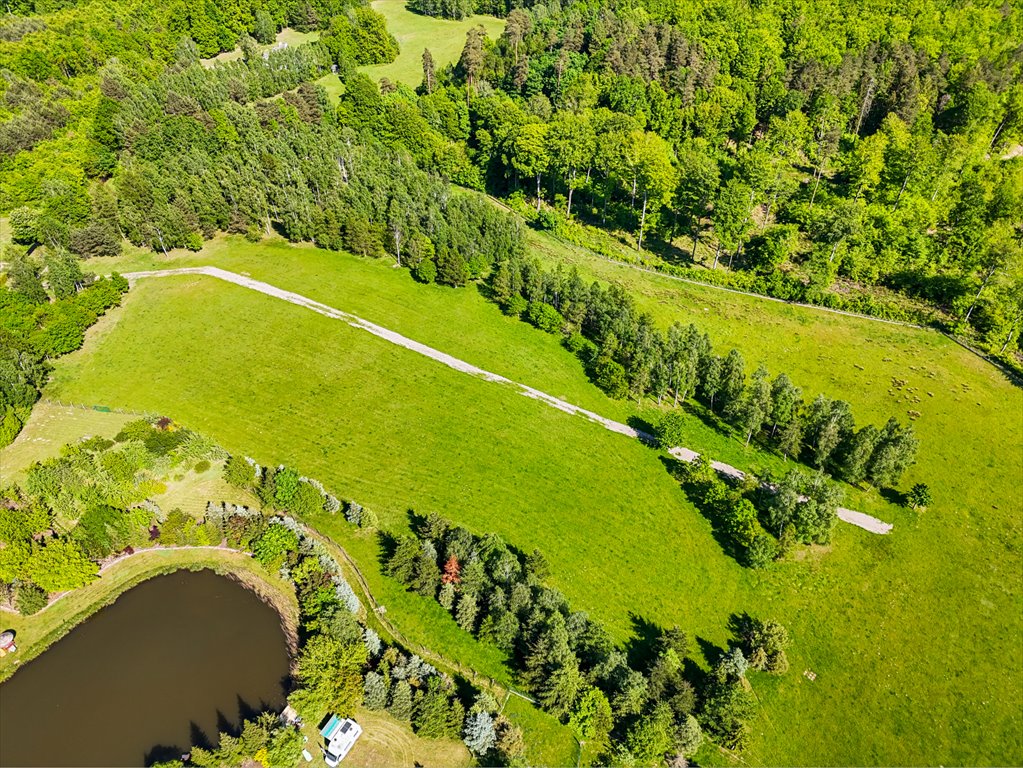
(171, 663)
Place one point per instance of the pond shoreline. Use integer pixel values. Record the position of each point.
(233, 564)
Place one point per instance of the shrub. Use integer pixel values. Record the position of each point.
(425, 271)
(515, 306)
(31, 598)
(273, 545)
(544, 316)
(919, 497)
(353, 513)
(671, 429)
(201, 466)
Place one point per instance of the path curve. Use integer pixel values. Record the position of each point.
(859, 519)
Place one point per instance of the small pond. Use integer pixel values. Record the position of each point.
(171, 663)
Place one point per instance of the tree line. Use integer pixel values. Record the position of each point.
(626, 354)
(335, 673)
(206, 150)
(637, 713)
(45, 309)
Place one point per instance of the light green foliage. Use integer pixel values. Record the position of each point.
(591, 716)
(329, 677)
(264, 738)
(651, 737)
(544, 316)
(238, 472)
(359, 38)
(671, 431)
(181, 529)
(60, 564)
(286, 485)
(274, 544)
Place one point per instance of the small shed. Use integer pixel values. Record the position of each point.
(7, 642)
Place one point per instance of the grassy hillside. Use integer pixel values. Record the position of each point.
(906, 633)
(444, 38)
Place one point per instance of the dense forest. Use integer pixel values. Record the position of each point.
(836, 153)
(858, 157)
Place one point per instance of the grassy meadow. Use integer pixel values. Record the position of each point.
(907, 633)
(48, 429)
(414, 32)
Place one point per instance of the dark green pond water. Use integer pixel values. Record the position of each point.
(171, 663)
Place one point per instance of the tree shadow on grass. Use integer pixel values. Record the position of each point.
(893, 496)
(711, 652)
(388, 543)
(709, 511)
(641, 649)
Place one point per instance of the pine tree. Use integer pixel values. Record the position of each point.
(429, 75)
(400, 707)
(466, 613)
(432, 712)
(479, 735)
(375, 691)
(402, 564)
(552, 669)
(427, 575)
(447, 596)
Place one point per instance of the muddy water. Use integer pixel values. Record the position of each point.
(171, 663)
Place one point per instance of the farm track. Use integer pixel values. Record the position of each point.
(850, 516)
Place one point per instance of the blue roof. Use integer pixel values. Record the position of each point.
(332, 725)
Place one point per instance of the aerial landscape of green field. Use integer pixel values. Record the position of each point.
(632, 384)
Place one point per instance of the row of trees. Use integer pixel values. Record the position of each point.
(626, 354)
(45, 309)
(342, 665)
(638, 714)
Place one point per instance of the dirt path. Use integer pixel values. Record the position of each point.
(855, 518)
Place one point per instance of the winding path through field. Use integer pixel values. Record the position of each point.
(866, 522)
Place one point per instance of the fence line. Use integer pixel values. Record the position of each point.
(96, 408)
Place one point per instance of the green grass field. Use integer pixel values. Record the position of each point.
(48, 429)
(388, 743)
(287, 36)
(444, 38)
(908, 634)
